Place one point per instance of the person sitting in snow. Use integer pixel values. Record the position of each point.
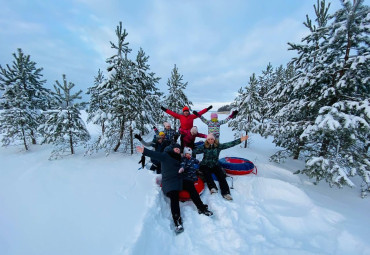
(210, 164)
(214, 124)
(190, 135)
(189, 177)
(186, 120)
(172, 181)
(171, 134)
(159, 143)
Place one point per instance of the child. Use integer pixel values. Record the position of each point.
(171, 134)
(189, 177)
(189, 137)
(214, 124)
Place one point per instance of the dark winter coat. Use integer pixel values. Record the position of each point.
(186, 122)
(159, 147)
(211, 154)
(190, 173)
(171, 179)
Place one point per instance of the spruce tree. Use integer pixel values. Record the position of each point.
(64, 127)
(22, 100)
(176, 98)
(249, 103)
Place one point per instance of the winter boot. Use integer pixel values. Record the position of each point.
(214, 190)
(178, 225)
(227, 197)
(205, 211)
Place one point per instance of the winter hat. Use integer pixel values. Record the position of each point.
(214, 116)
(185, 109)
(176, 145)
(194, 130)
(210, 135)
(161, 133)
(166, 124)
(188, 150)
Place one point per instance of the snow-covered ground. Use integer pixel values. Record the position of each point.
(105, 205)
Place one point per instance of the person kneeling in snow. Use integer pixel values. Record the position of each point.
(189, 177)
(210, 164)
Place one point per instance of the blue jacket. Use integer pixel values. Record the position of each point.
(190, 173)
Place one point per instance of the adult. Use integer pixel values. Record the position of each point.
(210, 164)
(214, 124)
(170, 133)
(159, 143)
(186, 119)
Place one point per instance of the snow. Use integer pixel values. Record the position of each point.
(105, 205)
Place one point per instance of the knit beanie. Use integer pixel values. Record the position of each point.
(176, 145)
(194, 130)
(166, 124)
(185, 109)
(161, 133)
(188, 150)
(214, 116)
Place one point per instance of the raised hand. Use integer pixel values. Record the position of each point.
(209, 107)
(138, 137)
(163, 109)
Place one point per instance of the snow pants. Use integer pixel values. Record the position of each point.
(221, 177)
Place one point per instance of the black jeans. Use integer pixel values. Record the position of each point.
(221, 177)
(175, 204)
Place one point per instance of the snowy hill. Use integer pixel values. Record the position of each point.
(105, 205)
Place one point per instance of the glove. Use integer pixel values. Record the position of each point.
(163, 109)
(181, 170)
(234, 113)
(142, 161)
(196, 113)
(175, 137)
(138, 137)
(209, 107)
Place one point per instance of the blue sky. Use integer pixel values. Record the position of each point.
(216, 44)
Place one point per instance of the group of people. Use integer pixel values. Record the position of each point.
(176, 161)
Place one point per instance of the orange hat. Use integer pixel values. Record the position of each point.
(185, 109)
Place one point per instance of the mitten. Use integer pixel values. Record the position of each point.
(138, 137)
(234, 113)
(163, 109)
(209, 107)
(181, 170)
(196, 113)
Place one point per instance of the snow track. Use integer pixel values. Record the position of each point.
(267, 216)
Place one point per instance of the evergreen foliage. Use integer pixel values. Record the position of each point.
(64, 127)
(129, 97)
(176, 98)
(22, 100)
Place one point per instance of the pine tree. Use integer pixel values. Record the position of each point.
(249, 103)
(340, 131)
(22, 100)
(97, 111)
(64, 127)
(176, 98)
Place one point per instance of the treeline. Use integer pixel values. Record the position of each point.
(317, 107)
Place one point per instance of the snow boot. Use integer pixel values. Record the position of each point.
(205, 211)
(178, 225)
(227, 197)
(214, 190)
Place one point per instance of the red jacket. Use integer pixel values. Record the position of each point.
(189, 139)
(186, 122)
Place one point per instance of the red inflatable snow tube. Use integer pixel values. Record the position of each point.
(199, 186)
(238, 166)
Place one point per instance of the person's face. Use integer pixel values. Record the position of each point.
(211, 140)
(167, 127)
(162, 136)
(177, 150)
(186, 113)
(188, 155)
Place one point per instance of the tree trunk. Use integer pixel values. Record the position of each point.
(298, 150)
(33, 137)
(324, 147)
(131, 140)
(245, 142)
(121, 131)
(71, 142)
(24, 140)
(103, 127)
